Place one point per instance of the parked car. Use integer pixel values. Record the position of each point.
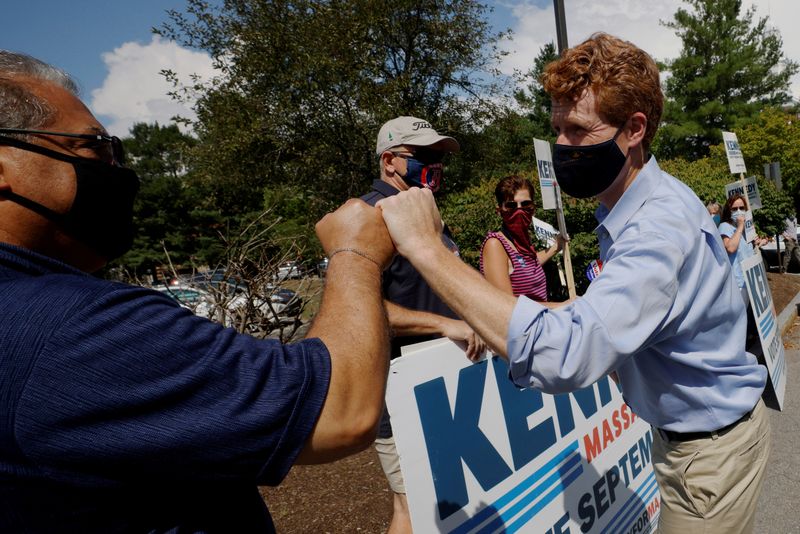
(289, 269)
(231, 303)
(322, 267)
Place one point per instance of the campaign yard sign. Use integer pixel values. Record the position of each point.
(481, 455)
(763, 307)
(750, 184)
(544, 231)
(547, 176)
(734, 153)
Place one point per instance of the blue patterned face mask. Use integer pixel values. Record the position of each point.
(737, 214)
(422, 175)
(424, 168)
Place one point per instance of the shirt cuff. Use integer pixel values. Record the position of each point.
(522, 332)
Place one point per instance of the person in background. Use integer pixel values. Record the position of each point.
(664, 312)
(714, 210)
(791, 249)
(732, 231)
(410, 154)
(122, 411)
(508, 259)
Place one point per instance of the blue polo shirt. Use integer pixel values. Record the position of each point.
(403, 285)
(123, 412)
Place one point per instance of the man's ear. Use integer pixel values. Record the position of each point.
(386, 159)
(636, 129)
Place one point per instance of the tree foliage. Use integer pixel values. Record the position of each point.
(168, 209)
(306, 84)
(730, 67)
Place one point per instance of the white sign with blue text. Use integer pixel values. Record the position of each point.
(738, 188)
(734, 153)
(547, 176)
(479, 454)
(755, 276)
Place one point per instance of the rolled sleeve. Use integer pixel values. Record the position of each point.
(560, 350)
(522, 332)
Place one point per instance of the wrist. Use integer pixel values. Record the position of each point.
(356, 251)
(421, 249)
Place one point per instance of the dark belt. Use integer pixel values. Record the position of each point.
(670, 435)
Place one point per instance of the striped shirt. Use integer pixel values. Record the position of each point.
(527, 276)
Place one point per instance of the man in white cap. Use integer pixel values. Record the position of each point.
(411, 154)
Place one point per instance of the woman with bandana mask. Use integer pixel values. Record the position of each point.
(508, 258)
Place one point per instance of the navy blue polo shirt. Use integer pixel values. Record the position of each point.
(404, 286)
(123, 412)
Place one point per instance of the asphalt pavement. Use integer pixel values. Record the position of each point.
(779, 505)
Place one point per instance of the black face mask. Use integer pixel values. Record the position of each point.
(101, 216)
(587, 171)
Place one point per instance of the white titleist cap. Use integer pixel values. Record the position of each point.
(412, 131)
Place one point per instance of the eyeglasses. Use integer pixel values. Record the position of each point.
(742, 209)
(512, 205)
(108, 147)
(426, 156)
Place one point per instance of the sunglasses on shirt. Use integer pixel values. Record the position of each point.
(108, 147)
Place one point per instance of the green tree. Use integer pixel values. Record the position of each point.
(532, 97)
(730, 67)
(165, 212)
(505, 145)
(774, 137)
(306, 84)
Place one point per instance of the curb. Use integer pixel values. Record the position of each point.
(787, 316)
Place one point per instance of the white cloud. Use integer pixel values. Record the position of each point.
(135, 91)
(633, 20)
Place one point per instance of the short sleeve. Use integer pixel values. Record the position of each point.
(135, 387)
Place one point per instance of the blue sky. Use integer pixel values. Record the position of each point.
(108, 46)
(73, 34)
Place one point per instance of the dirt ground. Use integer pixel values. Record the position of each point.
(351, 495)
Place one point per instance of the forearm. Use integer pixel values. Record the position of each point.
(359, 357)
(406, 322)
(484, 307)
(544, 255)
(732, 243)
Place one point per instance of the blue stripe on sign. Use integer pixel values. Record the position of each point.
(640, 497)
(555, 492)
(641, 507)
(504, 500)
(555, 480)
(778, 371)
(766, 325)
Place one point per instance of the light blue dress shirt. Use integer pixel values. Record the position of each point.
(744, 251)
(664, 313)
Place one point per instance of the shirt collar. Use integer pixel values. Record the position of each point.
(615, 220)
(27, 261)
(384, 188)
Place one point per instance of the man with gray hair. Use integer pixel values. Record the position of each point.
(410, 155)
(122, 411)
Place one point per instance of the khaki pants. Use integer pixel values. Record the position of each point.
(712, 485)
(390, 461)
